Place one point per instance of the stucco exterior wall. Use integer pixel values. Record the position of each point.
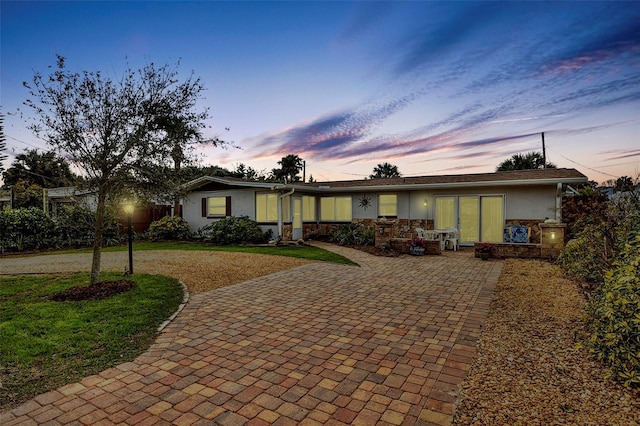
(242, 204)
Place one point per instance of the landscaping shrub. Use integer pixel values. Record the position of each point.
(234, 230)
(26, 229)
(169, 228)
(354, 234)
(583, 258)
(614, 317)
(601, 232)
(76, 227)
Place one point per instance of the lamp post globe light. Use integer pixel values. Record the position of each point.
(129, 207)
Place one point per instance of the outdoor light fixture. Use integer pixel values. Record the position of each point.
(425, 202)
(552, 235)
(129, 207)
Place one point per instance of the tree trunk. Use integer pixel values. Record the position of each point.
(177, 163)
(98, 237)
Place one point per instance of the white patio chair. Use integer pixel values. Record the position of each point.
(451, 239)
(420, 233)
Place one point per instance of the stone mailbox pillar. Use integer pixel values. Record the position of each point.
(552, 239)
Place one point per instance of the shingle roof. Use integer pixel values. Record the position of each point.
(517, 175)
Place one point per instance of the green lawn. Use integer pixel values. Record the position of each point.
(46, 344)
(303, 251)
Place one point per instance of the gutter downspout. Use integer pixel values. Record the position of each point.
(280, 221)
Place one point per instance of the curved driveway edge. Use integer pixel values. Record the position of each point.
(388, 342)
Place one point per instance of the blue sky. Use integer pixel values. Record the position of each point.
(432, 87)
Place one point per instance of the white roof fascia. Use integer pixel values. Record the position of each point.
(196, 183)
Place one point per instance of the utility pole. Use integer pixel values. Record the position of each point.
(304, 171)
(544, 153)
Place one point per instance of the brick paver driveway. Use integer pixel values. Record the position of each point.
(384, 343)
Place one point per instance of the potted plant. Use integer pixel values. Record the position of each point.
(485, 249)
(417, 246)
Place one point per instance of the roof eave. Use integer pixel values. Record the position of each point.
(441, 185)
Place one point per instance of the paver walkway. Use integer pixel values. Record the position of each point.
(322, 344)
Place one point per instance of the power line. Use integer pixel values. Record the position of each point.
(26, 143)
(586, 167)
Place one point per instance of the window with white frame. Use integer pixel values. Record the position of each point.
(266, 207)
(387, 205)
(335, 209)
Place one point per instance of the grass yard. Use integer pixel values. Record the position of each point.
(46, 344)
(301, 252)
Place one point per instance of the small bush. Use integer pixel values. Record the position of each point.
(354, 234)
(169, 228)
(614, 317)
(234, 230)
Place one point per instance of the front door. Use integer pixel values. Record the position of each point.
(297, 219)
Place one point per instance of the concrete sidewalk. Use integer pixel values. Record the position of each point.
(384, 343)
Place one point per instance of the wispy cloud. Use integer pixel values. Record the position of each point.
(491, 63)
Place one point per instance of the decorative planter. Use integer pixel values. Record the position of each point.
(484, 256)
(416, 251)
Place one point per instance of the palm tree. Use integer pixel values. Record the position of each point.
(385, 170)
(529, 161)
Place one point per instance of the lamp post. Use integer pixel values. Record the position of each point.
(128, 209)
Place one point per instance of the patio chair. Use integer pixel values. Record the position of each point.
(451, 239)
(432, 235)
(420, 233)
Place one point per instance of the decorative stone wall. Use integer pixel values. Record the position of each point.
(401, 245)
(518, 250)
(396, 228)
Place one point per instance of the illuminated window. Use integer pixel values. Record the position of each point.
(286, 209)
(388, 205)
(336, 209)
(308, 209)
(217, 206)
(266, 207)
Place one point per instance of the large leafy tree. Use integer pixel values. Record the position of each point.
(290, 167)
(45, 169)
(109, 128)
(385, 170)
(528, 161)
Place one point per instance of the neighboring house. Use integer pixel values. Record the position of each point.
(53, 198)
(479, 205)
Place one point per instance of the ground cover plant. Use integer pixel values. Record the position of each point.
(45, 344)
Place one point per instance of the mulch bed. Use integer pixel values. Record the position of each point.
(101, 290)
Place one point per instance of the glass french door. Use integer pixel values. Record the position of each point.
(297, 218)
(477, 217)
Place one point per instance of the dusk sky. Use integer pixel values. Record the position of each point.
(431, 87)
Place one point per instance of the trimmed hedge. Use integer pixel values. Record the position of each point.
(33, 229)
